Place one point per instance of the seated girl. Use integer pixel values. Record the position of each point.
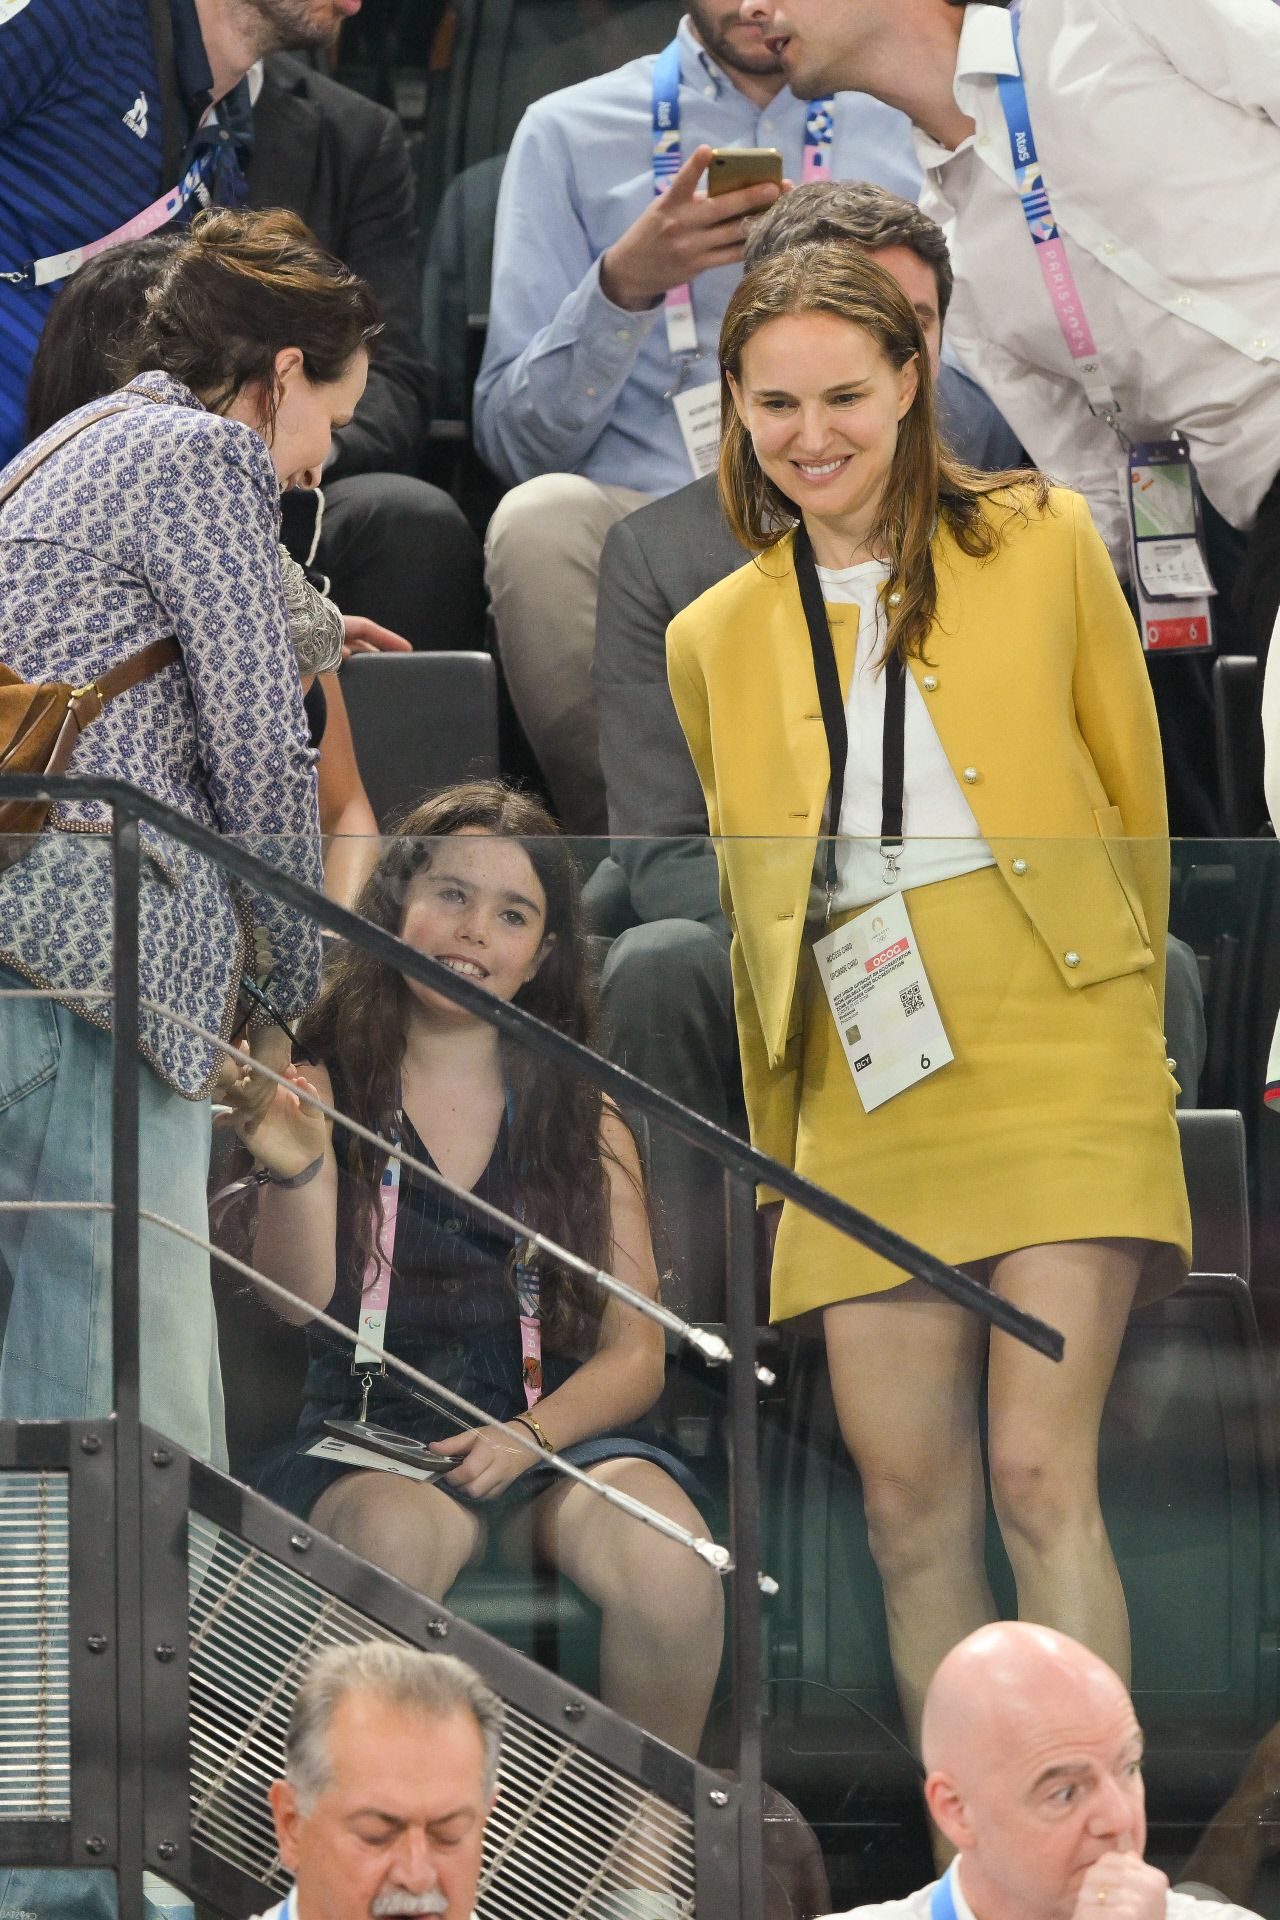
(480, 880)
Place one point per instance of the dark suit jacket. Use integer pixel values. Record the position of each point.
(341, 162)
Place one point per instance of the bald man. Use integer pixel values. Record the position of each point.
(1033, 1757)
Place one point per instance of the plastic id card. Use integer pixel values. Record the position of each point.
(1166, 548)
(698, 412)
(881, 1002)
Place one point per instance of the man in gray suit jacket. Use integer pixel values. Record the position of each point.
(666, 987)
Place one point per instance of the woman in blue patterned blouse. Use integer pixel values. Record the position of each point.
(160, 519)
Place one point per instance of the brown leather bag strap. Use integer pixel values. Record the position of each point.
(139, 666)
(12, 484)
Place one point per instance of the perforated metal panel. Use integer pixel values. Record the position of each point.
(569, 1830)
(35, 1704)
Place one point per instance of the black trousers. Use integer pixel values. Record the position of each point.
(399, 552)
(1246, 572)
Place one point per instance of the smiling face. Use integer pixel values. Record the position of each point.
(479, 908)
(399, 1827)
(1042, 1791)
(822, 404)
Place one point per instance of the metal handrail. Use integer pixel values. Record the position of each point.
(734, 1155)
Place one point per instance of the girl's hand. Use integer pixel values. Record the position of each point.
(494, 1458)
(281, 1130)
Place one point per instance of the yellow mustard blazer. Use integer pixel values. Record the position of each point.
(1035, 679)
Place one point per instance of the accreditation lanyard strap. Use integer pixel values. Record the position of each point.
(942, 1903)
(1051, 251)
(819, 126)
(836, 726)
(57, 266)
(375, 1295)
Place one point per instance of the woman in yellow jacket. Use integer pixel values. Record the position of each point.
(990, 684)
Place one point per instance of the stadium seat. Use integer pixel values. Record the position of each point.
(420, 721)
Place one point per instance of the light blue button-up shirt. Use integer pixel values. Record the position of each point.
(571, 383)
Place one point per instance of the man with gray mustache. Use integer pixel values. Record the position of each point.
(391, 1764)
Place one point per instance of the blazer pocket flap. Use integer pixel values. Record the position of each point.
(1110, 824)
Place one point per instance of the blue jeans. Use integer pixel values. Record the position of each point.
(55, 1144)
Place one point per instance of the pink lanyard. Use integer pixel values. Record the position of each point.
(375, 1295)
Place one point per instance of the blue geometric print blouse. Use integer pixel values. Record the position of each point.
(163, 519)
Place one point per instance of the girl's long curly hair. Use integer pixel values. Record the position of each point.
(358, 1028)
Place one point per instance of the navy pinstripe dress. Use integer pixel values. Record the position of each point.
(452, 1314)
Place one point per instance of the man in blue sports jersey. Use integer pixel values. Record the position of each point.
(100, 101)
(101, 111)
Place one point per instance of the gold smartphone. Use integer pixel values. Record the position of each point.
(735, 167)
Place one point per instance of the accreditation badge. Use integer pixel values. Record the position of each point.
(698, 414)
(881, 1002)
(1167, 563)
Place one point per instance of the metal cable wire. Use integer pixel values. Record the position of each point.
(569, 1833)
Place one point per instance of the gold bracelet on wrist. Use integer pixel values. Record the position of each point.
(527, 1420)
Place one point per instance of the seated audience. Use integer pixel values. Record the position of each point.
(480, 880)
(666, 993)
(972, 827)
(1033, 1758)
(391, 1772)
(592, 352)
(126, 540)
(1170, 313)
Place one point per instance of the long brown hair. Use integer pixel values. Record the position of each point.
(925, 483)
(358, 1028)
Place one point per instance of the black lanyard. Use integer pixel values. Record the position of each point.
(830, 699)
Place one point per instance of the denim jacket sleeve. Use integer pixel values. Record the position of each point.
(213, 563)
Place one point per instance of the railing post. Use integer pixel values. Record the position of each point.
(126, 1360)
(744, 1516)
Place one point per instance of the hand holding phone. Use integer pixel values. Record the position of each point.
(733, 168)
(682, 233)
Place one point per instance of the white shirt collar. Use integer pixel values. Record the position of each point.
(986, 50)
(986, 43)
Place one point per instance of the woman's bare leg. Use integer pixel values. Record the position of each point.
(413, 1531)
(663, 1608)
(1043, 1446)
(905, 1369)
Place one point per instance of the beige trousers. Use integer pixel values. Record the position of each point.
(542, 564)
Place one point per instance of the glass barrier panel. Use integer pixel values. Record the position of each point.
(982, 1068)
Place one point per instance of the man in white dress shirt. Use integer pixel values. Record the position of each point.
(1157, 125)
(1033, 1755)
(391, 1765)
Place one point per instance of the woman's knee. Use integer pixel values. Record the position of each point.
(417, 1533)
(1040, 1489)
(655, 1579)
(919, 1518)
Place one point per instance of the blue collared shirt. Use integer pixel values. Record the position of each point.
(571, 383)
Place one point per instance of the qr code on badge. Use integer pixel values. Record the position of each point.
(911, 997)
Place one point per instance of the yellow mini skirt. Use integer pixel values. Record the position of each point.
(1055, 1120)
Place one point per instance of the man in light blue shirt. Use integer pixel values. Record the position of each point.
(574, 403)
